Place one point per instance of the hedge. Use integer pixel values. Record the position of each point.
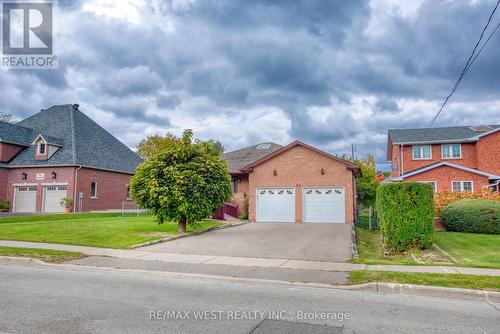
(473, 216)
(406, 214)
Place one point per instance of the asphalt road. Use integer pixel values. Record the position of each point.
(40, 299)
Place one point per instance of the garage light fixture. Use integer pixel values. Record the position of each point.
(24, 176)
(322, 171)
(54, 175)
(275, 172)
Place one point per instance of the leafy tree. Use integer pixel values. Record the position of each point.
(366, 185)
(5, 117)
(155, 144)
(185, 182)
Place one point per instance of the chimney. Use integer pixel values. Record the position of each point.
(76, 106)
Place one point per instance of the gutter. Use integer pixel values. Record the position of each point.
(74, 189)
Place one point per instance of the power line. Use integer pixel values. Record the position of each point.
(472, 58)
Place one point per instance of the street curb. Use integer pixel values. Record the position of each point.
(373, 287)
(186, 235)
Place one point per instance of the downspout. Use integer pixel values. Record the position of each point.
(75, 186)
(402, 161)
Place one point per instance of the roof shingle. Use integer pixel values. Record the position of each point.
(403, 136)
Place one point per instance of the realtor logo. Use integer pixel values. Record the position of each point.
(28, 34)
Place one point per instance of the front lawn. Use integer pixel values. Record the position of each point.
(47, 255)
(468, 249)
(108, 230)
(444, 280)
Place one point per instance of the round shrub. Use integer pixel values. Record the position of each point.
(473, 216)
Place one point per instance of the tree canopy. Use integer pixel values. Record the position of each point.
(186, 182)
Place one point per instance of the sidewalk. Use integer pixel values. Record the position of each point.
(248, 261)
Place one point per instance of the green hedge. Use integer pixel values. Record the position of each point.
(473, 216)
(406, 214)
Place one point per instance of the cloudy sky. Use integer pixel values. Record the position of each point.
(329, 73)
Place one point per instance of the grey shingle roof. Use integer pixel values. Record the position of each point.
(16, 134)
(245, 156)
(83, 142)
(435, 134)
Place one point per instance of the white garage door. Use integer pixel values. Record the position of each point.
(324, 205)
(52, 198)
(276, 205)
(24, 199)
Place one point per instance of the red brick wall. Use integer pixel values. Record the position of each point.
(444, 175)
(238, 197)
(488, 149)
(111, 189)
(8, 151)
(301, 167)
(4, 177)
(64, 175)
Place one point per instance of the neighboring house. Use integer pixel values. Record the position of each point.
(296, 183)
(459, 158)
(60, 152)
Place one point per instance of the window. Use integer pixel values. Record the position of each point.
(422, 152)
(450, 151)
(128, 192)
(93, 189)
(235, 184)
(432, 183)
(461, 186)
(41, 149)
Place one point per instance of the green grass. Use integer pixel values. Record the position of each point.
(471, 249)
(97, 231)
(47, 255)
(444, 280)
(468, 249)
(371, 252)
(62, 216)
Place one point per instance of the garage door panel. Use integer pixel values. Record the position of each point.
(25, 199)
(324, 205)
(276, 205)
(52, 198)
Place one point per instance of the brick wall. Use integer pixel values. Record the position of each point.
(8, 151)
(301, 167)
(111, 189)
(64, 175)
(444, 175)
(238, 197)
(4, 177)
(488, 149)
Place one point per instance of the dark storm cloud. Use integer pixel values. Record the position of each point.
(331, 73)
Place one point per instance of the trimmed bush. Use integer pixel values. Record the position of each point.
(406, 215)
(473, 216)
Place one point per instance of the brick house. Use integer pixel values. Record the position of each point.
(61, 153)
(296, 183)
(460, 158)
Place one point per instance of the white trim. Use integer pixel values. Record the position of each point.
(421, 152)
(462, 185)
(95, 196)
(77, 166)
(451, 151)
(38, 149)
(435, 184)
(55, 184)
(36, 139)
(487, 133)
(24, 184)
(449, 164)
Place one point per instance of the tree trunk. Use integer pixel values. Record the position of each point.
(182, 225)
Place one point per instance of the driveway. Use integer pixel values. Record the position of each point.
(313, 242)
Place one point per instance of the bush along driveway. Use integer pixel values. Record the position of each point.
(97, 230)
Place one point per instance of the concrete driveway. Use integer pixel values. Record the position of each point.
(313, 242)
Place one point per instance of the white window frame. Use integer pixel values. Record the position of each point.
(39, 148)
(434, 182)
(95, 195)
(449, 146)
(462, 185)
(421, 152)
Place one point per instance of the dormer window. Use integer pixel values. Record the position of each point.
(42, 148)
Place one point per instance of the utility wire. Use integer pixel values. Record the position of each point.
(472, 58)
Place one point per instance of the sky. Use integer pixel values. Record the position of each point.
(329, 73)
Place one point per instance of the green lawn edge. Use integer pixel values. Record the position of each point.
(46, 255)
(476, 282)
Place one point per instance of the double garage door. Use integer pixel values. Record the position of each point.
(319, 205)
(25, 198)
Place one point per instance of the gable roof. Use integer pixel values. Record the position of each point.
(449, 164)
(238, 159)
(82, 142)
(438, 135)
(349, 165)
